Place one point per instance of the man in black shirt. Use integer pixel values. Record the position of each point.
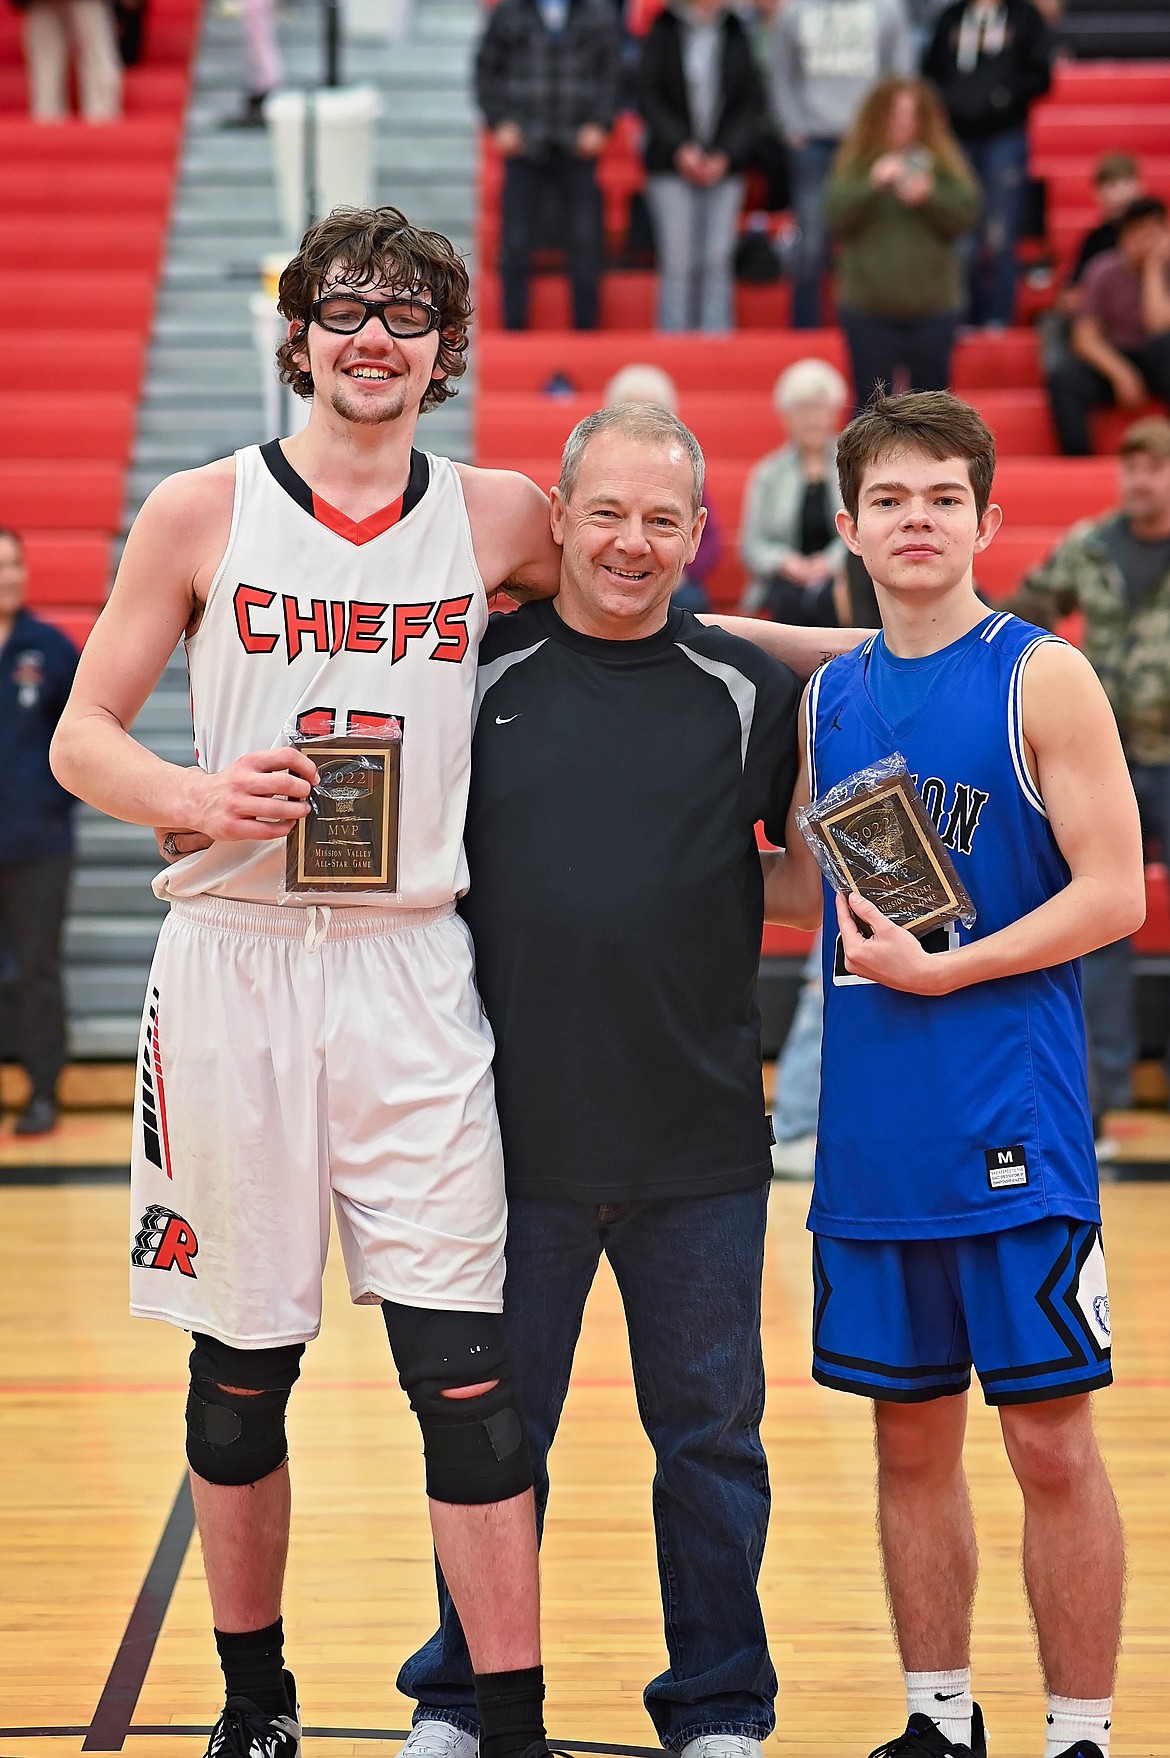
(623, 755)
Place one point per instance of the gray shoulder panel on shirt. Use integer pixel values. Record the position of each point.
(740, 688)
(493, 671)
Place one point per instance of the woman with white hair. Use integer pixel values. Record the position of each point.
(788, 538)
(642, 383)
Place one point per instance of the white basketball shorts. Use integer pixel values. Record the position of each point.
(291, 1055)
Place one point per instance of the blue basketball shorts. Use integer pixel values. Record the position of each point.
(906, 1320)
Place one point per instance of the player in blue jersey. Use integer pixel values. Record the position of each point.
(955, 1209)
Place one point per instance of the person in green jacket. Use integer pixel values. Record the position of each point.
(900, 197)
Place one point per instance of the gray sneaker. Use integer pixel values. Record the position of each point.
(439, 1739)
(722, 1746)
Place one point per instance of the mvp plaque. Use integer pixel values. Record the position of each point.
(349, 841)
(872, 834)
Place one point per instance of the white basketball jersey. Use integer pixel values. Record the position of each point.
(327, 624)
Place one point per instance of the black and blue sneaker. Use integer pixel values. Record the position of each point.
(924, 1738)
(1082, 1749)
(243, 1731)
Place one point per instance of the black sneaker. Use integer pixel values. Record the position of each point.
(1082, 1749)
(243, 1731)
(924, 1738)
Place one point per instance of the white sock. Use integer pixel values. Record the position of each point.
(1077, 1718)
(946, 1698)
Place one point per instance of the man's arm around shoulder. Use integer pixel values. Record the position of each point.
(801, 649)
(510, 531)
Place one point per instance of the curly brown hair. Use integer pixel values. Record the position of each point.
(372, 245)
(866, 140)
(935, 422)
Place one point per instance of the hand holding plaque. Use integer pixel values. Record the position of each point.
(872, 834)
(349, 841)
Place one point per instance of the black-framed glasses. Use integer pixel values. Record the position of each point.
(345, 314)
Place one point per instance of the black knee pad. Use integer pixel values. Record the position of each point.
(238, 1437)
(476, 1449)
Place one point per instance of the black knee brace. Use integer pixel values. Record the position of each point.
(476, 1449)
(238, 1437)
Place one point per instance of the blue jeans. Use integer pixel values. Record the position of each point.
(808, 173)
(1001, 165)
(1108, 973)
(880, 347)
(798, 1071)
(690, 1272)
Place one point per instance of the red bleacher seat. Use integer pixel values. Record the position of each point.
(525, 361)
(113, 360)
(107, 301)
(67, 567)
(1110, 82)
(136, 140)
(91, 202)
(1099, 128)
(76, 621)
(89, 424)
(728, 424)
(513, 361)
(32, 244)
(65, 495)
(66, 190)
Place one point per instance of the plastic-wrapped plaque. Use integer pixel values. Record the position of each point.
(349, 841)
(872, 834)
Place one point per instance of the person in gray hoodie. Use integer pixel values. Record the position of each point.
(826, 54)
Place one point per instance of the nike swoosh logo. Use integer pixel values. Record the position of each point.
(505, 719)
(949, 1697)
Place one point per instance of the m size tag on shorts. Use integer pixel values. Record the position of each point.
(1006, 1167)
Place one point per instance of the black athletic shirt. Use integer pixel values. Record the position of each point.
(617, 904)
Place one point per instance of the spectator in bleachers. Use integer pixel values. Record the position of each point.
(900, 197)
(37, 663)
(650, 384)
(788, 538)
(991, 60)
(55, 31)
(704, 106)
(547, 74)
(265, 66)
(826, 56)
(1120, 349)
(1116, 570)
(1117, 181)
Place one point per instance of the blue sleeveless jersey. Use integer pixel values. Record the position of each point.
(965, 1113)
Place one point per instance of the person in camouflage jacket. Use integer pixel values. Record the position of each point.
(1116, 571)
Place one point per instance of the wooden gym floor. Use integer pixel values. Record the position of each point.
(106, 1640)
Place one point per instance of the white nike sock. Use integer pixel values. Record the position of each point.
(1077, 1718)
(946, 1698)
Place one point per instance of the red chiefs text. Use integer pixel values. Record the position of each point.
(324, 625)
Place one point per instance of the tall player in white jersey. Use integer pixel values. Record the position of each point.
(331, 582)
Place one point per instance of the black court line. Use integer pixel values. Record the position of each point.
(175, 1731)
(119, 1699)
(20, 1175)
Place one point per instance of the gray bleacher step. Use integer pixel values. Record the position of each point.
(113, 940)
(101, 839)
(104, 1037)
(94, 989)
(114, 891)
